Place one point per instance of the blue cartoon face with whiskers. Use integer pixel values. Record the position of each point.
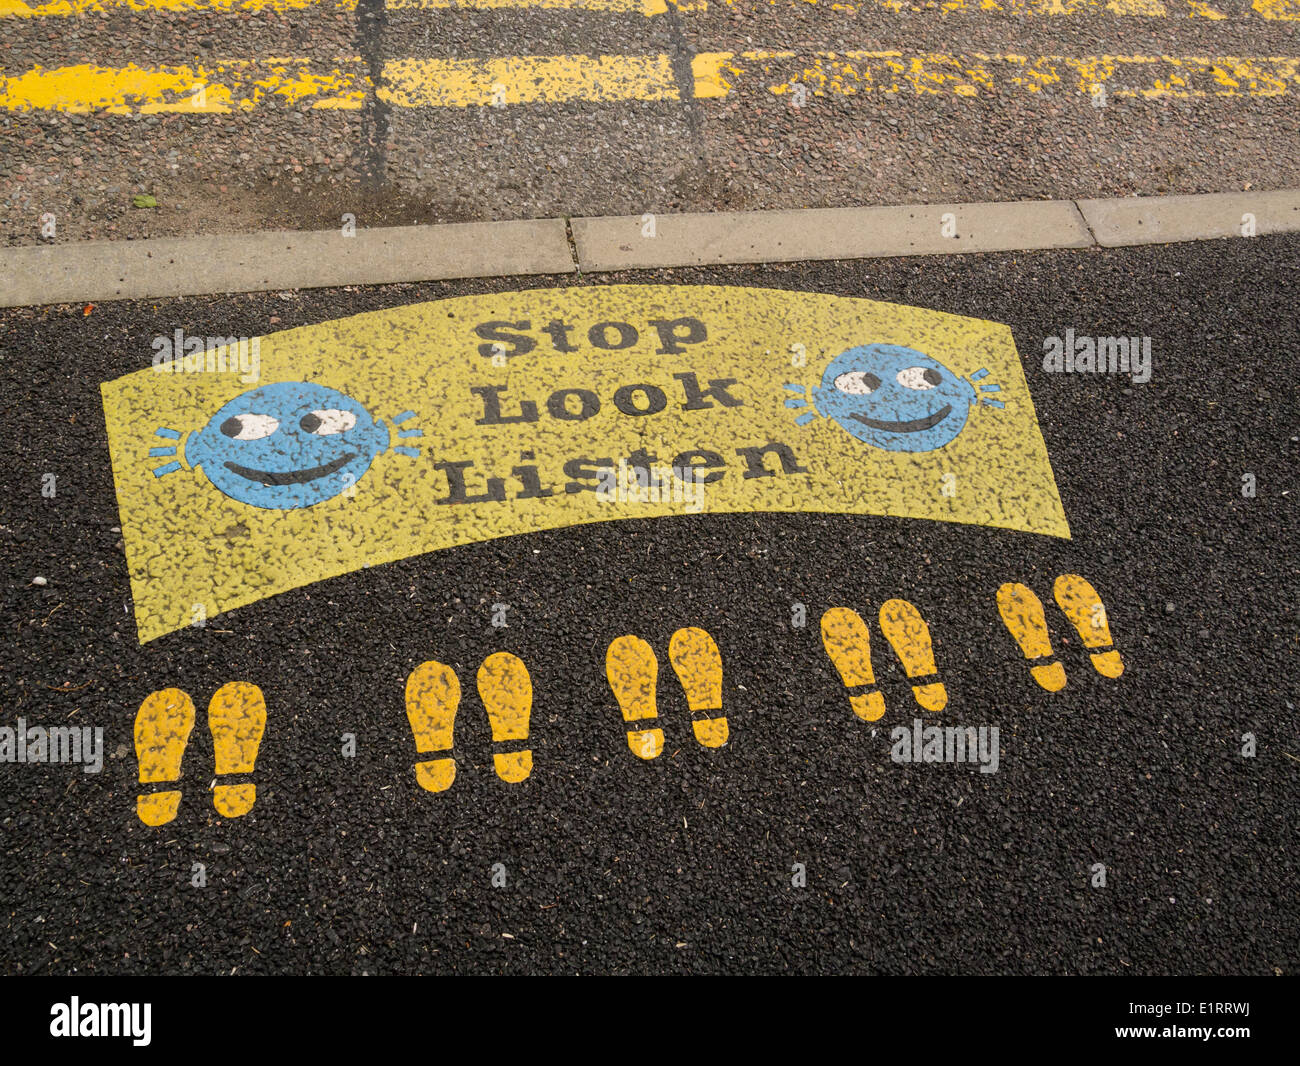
(288, 445)
(895, 398)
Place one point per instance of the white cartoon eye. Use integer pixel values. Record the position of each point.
(857, 382)
(249, 427)
(920, 377)
(326, 422)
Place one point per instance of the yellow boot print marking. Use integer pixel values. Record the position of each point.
(237, 720)
(909, 636)
(507, 694)
(848, 643)
(162, 728)
(698, 665)
(1083, 607)
(633, 672)
(1022, 614)
(432, 696)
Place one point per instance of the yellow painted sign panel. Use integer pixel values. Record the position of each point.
(247, 467)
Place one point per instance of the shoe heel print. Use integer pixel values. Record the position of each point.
(1083, 607)
(847, 642)
(237, 721)
(162, 729)
(633, 672)
(1022, 614)
(909, 636)
(432, 696)
(698, 665)
(507, 694)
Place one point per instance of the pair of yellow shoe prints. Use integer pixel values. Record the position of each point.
(237, 713)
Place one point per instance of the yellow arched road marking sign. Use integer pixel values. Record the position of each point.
(246, 467)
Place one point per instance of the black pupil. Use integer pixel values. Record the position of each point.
(310, 422)
(871, 381)
(231, 427)
(932, 376)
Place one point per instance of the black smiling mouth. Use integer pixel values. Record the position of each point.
(916, 425)
(291, 477)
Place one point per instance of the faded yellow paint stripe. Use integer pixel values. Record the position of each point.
(218, 88)
(1013, 8)
(718, 74)
(59, 8)
(1278, 9)
(221, 88)
(526, 80)
(630, 7)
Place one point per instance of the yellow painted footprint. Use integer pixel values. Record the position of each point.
(432, 696)
(162, 729)
(909, 636)
(237, 721)
(698, 665)
(1083, 607)
(1022, 614)
(848, 643)
(633, 673)
(507, 694)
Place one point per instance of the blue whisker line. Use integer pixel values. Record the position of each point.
(415, 452)
(804, 419)
(980, 373)
(795, 403)
(797, 388)
(411, 433)
(403, 416)
(993, 403)
(166, 469)
(170, 434)
(162, 451)
(990, 388)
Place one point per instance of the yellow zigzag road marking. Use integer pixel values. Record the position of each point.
(241, 85)
(22, 9)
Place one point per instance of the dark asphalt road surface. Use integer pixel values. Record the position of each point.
(684, 864)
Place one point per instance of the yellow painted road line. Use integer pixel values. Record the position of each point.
(527, 80)
(384, 435)
(221, 88)
(1269, 9)
(63, 8)
(718, 74)
(1278, 9)
(217, 88)
(1019, 8)
(1013, 8)
(629, 7)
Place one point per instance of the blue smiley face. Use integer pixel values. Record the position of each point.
(288, 445)
(895, 398)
